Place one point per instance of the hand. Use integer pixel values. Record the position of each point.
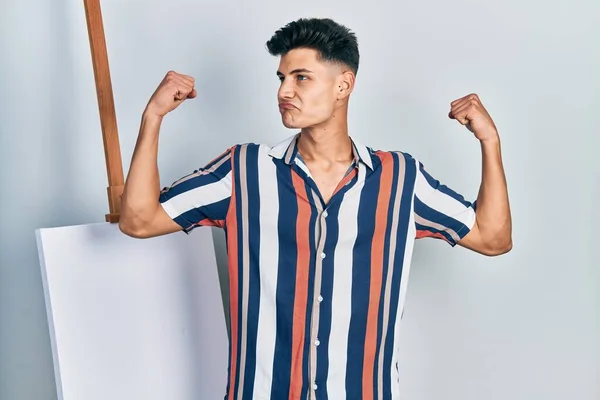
(470, 112)
(173, 90)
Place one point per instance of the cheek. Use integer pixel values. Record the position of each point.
(321, 103)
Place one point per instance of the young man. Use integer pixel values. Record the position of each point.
(319, 228)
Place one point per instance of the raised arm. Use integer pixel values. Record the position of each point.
(492, 231)
(141, 213)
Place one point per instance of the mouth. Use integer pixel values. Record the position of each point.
(286, 106)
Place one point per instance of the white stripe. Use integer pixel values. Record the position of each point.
(342, 292)
(268, 261)
(279, 150)
(442, 202)
(303, 167)
(429, 224)
(198, 197)
(408, 252)
(363, 152)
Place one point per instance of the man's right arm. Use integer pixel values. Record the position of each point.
(142, 215)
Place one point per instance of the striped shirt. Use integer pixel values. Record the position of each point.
(317, 290)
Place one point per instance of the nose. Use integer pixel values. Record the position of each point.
(286, 90)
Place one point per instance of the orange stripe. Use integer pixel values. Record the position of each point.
(344, 181)
(210, 222)
(232, 250)
(381, 217)
(423, 234)
(301, 297)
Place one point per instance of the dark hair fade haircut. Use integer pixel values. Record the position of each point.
(333, 42)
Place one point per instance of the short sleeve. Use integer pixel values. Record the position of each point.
(202, 197)
(440, 212)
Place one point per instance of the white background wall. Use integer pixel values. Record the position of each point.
(522, 326)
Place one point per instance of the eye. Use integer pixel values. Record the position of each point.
(302, 77)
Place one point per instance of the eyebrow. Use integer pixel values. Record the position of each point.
(296, 71)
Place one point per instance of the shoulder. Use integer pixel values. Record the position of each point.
(393, 156)
(249, 153)
(248, 147)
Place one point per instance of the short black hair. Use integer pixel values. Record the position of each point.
(332, 41)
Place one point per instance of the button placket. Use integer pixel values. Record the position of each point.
(321, 255)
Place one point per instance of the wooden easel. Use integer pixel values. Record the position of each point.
(106, 106)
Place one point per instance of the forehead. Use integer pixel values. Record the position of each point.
(304, 58)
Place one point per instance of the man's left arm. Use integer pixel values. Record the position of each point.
(492, 232)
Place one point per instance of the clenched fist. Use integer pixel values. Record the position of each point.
(174, 89)
(470, 112)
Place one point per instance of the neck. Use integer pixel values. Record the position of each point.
(327, 143)
(325, 146)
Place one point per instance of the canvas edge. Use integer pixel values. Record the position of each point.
(49, 315)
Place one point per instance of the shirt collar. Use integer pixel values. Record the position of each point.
(287, 150)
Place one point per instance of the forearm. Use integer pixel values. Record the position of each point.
(493, 210)
(142, 186)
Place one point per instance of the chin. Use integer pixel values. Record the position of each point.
(291, 124)
(298, 124)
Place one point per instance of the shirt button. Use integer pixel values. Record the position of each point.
(317, 342)
(315, 387)
(322, 255)
(325, 214)
(320, 299)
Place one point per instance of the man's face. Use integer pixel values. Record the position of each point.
(309, 88)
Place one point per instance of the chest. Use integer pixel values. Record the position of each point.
(326, 180)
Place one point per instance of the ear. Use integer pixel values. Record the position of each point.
(345, 84)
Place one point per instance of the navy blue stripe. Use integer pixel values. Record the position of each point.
(215, 211)
(386, 259)
(424, 211)
(195, 182)
(188, 226)
(286, 281)
(403, 225)
(240, 260)
(223, 155)
(436, 184)
(254, 274)
(325, 309)
(310, 184)
(229, 342)
(361, 281)
(445, 234)
(339, 196)
(375, 161)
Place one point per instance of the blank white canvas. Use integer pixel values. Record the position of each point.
(133, 318)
